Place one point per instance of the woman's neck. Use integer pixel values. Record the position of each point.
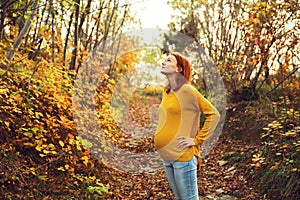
(176, 80)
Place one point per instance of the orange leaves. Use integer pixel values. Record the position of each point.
(258, 160)
(255, 21)
(45, 148)
(85, 160)
(128, 60)
(67, 123)
(66, 167)
(95, 18)
(36, 119)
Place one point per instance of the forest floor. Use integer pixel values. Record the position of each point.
(224, 175)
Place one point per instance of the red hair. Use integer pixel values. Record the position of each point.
(184, 65)
(184, 68)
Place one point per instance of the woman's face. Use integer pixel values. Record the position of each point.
(169, 65)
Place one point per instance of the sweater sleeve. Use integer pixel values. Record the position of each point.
(212, 118)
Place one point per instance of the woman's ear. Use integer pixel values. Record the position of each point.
(179, 69)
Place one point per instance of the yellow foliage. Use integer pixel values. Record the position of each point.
(85, 160)
(61, 143)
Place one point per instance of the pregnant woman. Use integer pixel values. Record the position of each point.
(178, 136)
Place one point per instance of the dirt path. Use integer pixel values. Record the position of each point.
(224, 175)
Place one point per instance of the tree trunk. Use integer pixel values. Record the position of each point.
(75, 48)
(22, 33)
(67, 38)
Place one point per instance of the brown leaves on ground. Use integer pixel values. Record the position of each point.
(225, 171)
(215, 178)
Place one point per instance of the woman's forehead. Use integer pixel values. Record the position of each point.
(171, 57)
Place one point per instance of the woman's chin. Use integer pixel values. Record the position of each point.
(163, 72)
(167, 72)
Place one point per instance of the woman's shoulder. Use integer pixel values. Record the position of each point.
(189, 87)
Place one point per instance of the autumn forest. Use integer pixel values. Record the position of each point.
(80, 86)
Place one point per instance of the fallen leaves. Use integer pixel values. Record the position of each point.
(228, 179)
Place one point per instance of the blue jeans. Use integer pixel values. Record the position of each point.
(182, 177)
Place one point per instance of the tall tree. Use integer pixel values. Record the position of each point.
(76, 35)
(241, 37)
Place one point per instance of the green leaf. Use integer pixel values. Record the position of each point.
(78, 147)
(28, 134)
(35, 129)
(42, 177)
(87, 143)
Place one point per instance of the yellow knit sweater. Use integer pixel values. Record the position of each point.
(179, 115)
